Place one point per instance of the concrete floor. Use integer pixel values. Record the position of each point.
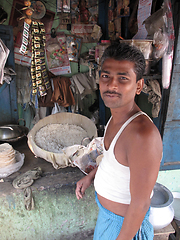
(163, 234)
(162, 237)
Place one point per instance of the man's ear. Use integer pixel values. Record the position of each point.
(140, 84)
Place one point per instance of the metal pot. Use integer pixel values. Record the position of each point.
(161, 212)
(13, 132)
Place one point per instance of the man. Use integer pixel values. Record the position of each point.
(125, 178)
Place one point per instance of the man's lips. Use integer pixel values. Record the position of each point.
(111, 94)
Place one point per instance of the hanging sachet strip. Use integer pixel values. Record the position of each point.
(24, 43)
(40, 80)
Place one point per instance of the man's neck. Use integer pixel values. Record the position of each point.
(120, 115)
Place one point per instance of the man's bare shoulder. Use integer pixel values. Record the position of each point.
(145, 136)
(142, 126)
(140, 140)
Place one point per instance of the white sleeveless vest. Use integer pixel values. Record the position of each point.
(112, 179)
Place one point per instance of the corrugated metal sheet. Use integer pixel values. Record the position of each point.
(171, 137)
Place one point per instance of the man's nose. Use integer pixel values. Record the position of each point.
(113, 82)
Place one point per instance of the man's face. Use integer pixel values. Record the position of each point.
(117, 83)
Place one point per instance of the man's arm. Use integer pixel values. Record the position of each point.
(144, 156)
(84, 183)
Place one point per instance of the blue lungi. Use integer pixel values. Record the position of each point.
(108, 225)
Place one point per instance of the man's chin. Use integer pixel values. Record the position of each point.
(110, 105)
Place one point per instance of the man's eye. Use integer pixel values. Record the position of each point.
(104, 76)
(122, 78)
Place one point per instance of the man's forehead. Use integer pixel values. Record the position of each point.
(119, 64)
(118, 72)
(109, 59)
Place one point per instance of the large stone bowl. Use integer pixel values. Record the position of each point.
(59, 160)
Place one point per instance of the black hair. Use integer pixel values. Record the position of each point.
(123, 51)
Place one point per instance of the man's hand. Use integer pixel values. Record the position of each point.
(84, 183)
(81, 187)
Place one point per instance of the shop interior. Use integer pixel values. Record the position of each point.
(51, 62)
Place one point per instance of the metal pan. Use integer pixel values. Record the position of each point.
(12, 132)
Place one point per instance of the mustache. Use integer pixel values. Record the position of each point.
(112, 92)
